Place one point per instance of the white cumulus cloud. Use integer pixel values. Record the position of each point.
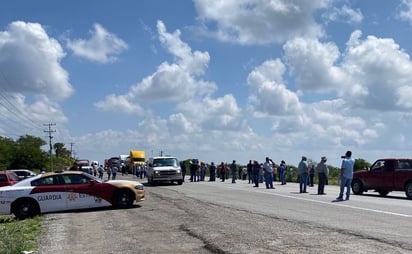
(102, 47)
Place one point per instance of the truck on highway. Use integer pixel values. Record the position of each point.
(384, 176)
(164, 169)
(137, 157)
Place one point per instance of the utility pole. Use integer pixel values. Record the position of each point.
(50, 131)
(71, 150)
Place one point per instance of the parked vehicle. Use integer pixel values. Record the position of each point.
(67, 190)
(384, 176)
(8, 178)
(164, 169)
(23, 173)
(137, 157)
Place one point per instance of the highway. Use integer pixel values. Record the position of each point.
(216, 217)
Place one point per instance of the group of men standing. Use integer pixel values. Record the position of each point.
(346, 174)
(255, 170)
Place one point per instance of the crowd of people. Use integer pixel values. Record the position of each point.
(254, 172)
(258, 173)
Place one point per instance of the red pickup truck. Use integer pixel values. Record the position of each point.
(384, 176)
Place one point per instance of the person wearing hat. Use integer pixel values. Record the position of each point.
(322, 171)
(346, 174)
(303, 175)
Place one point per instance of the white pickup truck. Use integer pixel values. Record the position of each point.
(164, 169)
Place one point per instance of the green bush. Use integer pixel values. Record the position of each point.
(17, 236)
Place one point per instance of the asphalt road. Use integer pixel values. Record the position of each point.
(216, 217)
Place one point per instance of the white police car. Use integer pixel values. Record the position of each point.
(69, 190)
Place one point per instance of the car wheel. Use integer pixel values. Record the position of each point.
(180, 182)
(383, 193)
(123, 199)
(357, 187)
(25, 208)
(408, 190)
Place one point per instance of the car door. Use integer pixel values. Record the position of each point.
(50, 193)
(80, 191)
(381, 175)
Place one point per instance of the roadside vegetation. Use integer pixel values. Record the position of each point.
(26, 152)
(19, 236)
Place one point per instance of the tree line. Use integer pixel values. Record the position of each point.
(26, 152)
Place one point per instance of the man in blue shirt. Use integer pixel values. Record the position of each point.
(346, 174)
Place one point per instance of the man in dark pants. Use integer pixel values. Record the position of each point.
(256, 169)
(183, 168)
(322, 170)
(233, 169)
(249, 171)
(222, 170)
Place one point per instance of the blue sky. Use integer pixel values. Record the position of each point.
(214, 80)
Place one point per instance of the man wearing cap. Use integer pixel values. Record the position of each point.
(322, 171)
(346, 174)
(303, 174)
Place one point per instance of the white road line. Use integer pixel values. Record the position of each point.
(339, 203)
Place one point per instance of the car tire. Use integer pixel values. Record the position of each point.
(25, 208)
(357, 187)
(123, 199)
(180, 182)
(408, 190)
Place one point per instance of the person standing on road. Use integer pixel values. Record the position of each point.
(212, 172)
(322, 170)
(282, 172)
(109, 172)
(256, 172)
(233, 171)
(346, 174)
(183, 168)
(268, 168)
(203, 169)
(311, 175)
(114, 170)
(193, 169)
(250, 171)
(101, 171)
(303, 175)
(222, 170)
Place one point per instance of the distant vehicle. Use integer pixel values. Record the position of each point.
(384, 176)
(8, 178)
(137, 157)
(82, 163)
(114, 161)
(124, 159)
(164, 169)
(67, 190)
(87, 169)
(23, 173)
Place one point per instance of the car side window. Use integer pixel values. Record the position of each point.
(45, 181)
(402, 165)
(379, 166)
(75, 179)
(3, 178)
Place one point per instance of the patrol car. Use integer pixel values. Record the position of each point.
(67, 190)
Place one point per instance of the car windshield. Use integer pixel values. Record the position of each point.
(171, 162)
